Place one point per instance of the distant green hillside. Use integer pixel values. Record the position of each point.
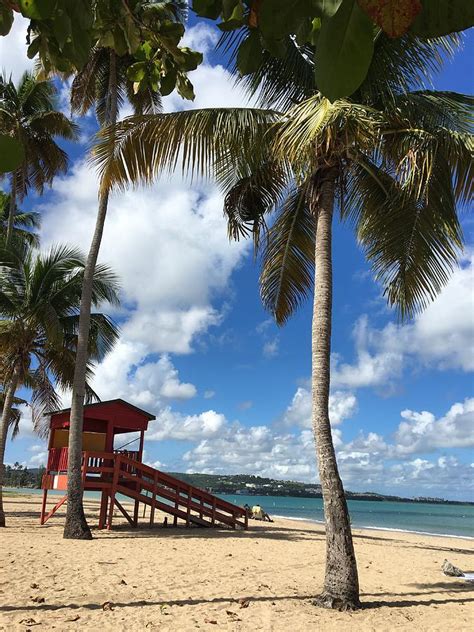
(238, 484)
(245, 484)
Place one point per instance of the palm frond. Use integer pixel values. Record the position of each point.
(147, 101)
(316, 132)
(35, 95)
(141, 147)
(288, 257)
(423, 124)
(84, 85)
(402, 64)
(44, 398)
(105, 285)
(412, 243)
(253, 196)
(54, 124)
(282, 82)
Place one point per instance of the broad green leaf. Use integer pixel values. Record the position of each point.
(144, 51)
(279, 18)
(137, 71)
(208, 8)
(120, 43)
(232, 9)
(441, 17)
(33, 48)
(6, 19)
(393, 16)
(106, 40)
(172, 29)
(185, 87)
(37, 9)
(326, 8)
(303, 32)
(344, 51)
(250, 53)
(12, 153)
(276, 47)
(61, 27)
(81, 43)
(191, 59)
(233, 15)
(168, 83)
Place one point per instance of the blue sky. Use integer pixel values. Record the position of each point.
(229, 388)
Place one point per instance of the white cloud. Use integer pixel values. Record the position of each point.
(263, 326)
(214, 87)
(444, 475)
(169, 246)
(372, 460)
(209, 394)
(342, 405)
(201, 37)
(13, 49)
(255, 450)
(128, 372)
(372, 367)
(422, 432)
(26, 423)
(173, 425)
(441, 337)
(39, 459)
(368, 462)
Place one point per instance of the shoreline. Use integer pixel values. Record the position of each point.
(34, 492)
(375, 528)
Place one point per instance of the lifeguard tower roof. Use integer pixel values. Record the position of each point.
(115, 415)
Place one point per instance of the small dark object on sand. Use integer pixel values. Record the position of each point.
(451, 570)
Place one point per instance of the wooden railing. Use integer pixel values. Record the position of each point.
(58, 458)
(182, 498)
(122, 473)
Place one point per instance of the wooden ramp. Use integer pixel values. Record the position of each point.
(119, 473)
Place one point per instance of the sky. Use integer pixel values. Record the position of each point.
(230, 390)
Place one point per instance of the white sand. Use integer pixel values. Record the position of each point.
(191, 579)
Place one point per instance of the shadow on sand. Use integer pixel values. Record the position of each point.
(141, 603)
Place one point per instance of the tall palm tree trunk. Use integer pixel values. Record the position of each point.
(341, 584)
(7, 406)
(76, 526)
(11, 211)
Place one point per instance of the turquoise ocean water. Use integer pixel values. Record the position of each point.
(454, 520)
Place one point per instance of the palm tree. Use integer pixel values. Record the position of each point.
(15, 412)
(103, 84)
(28, 113)
(24, 223)
(395, 159)
(39, 300)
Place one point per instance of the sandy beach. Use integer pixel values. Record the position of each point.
(196, 579)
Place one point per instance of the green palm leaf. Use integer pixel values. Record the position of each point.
(40, 296)
(141, 147)
(288, 257)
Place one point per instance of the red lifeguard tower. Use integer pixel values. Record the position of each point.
(113, 470)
